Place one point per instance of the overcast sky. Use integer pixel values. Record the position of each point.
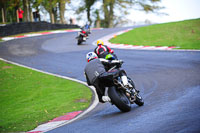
(176, 9)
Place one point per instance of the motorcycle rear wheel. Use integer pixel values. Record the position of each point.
(80, 40)
(119, 99)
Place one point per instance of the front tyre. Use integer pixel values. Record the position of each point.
(119, 99)
(139, 101)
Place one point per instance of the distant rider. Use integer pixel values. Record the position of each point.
(97, 75)
(102, 50)
(86, 28)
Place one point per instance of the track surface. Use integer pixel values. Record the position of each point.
(169, 82)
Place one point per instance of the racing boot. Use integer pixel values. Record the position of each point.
(106, 98)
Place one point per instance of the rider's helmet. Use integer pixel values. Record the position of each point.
(100, 42)
(90, 56)
(109, 57)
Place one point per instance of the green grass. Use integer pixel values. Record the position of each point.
(183, 34)
(29, 98)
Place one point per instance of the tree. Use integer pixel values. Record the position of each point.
(8, 10)
(3, 5)
(87, 7)
(62, 4)
(50, 5)
(26, 10)
(110, 5)
(98, 20)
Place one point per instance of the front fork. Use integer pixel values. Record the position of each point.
(129, 88)
(131, 94)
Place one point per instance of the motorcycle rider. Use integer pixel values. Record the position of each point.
(102, 50)
(97, 75)
(86, 28)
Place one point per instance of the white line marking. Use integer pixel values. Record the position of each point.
(92, 106)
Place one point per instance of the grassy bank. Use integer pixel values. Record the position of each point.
(29, 98)
(183, 34)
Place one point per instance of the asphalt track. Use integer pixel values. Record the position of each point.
(169, 82)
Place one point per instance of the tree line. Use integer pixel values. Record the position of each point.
(110, 13)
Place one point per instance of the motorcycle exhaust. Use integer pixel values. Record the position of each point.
(118, 83)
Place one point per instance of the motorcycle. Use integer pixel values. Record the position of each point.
(122, 96)
(82, 36)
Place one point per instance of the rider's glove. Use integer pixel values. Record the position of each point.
(121, 61)
(117, 61)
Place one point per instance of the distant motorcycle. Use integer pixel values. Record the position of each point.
(123, 96)
(82, 36)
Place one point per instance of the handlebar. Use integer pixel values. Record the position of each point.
(118, 65)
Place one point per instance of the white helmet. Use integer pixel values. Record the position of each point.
(90, 56)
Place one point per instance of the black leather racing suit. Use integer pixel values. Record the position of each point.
(97, 75)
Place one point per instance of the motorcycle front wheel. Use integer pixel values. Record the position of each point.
(119, 99)
(139, 101)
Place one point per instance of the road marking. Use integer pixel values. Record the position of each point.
(106, 39)
(43, 33)
(69, 117)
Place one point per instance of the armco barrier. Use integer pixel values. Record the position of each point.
(24, 27)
